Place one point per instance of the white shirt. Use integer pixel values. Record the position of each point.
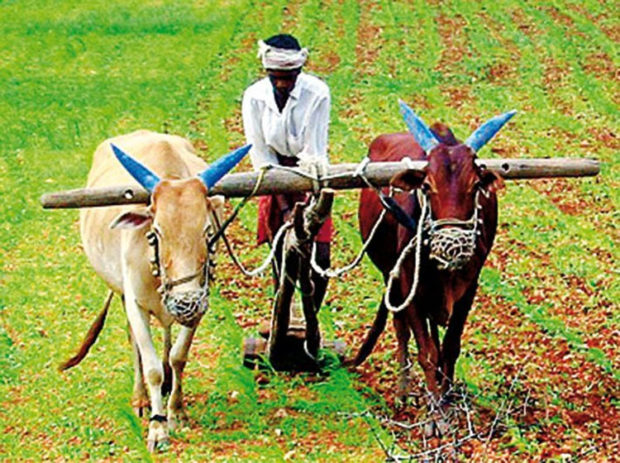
(301, 127)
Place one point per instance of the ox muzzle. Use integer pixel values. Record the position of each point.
(186, 307)
(452, 241)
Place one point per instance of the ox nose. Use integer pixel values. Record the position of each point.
(187, 307)
(452, 247)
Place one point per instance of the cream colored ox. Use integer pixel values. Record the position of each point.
(157, 257)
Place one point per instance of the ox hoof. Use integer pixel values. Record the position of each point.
(177, 419)
(438, 426)
(158, 438)
(429, 430)
(153, 445)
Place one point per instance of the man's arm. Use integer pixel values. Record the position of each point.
(260, 154)
(316, 131)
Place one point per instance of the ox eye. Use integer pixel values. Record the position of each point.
(426, 187)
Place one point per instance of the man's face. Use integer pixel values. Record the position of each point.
(283, 82)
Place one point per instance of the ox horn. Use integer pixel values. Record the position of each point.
(418, 128)
(486, 131)
(212, 174)
(143, 176)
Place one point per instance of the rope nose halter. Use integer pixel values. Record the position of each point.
(453, 241)
(189, 306)
(452, 245)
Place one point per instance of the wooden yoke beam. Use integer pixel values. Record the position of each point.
(339, 177)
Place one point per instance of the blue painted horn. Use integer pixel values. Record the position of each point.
(418, 128)
(212, 174)
(143, 176)
(486, 131)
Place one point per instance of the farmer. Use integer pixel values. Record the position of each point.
(286, 117)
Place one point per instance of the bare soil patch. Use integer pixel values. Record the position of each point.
(455, 42)
(369, 38)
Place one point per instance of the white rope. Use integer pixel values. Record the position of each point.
(417, 242)
(324, 273)
(337, 272)
(258, 271)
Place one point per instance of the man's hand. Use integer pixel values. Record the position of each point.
(313, 164)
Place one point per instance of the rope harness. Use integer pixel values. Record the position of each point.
(317, 182)
(452, 245)
(186, 307)
(451, 241)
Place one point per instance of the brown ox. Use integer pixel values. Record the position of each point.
(456, 229)
(157, 257)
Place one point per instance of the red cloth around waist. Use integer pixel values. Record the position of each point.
(271, 218)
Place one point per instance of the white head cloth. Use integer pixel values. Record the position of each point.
(281, 59)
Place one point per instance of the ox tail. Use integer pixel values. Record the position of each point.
(371, 338)
(90, 338)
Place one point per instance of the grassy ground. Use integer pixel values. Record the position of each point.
(540, 354)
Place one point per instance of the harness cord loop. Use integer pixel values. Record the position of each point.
(328, 273)
(337, 272)
(222, 231)
(261, 269)
(451, 247)
(417, 242)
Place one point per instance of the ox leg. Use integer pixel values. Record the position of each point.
(378, 325)
(451, 347)
(428, 358)
(403, 334)
(440, 408)
(139, 398)
(178, 359)
(437, 343)
(428, 354)
(152, 370)
(166, 386)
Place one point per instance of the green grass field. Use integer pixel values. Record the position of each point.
(541, 350)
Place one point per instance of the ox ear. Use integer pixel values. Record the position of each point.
(132, 220)
(409, 179)
(491, 181)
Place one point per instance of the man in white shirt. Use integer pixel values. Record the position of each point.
(286, 119)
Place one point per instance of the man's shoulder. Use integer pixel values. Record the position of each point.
(314, 84)
(258, 89)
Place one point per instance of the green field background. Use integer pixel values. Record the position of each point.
(75, 73)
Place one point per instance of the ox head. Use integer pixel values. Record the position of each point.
(182, 219)
(451, 183)
(451, 178)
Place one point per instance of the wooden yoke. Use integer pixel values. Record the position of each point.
(298, 348)
(339, 177)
